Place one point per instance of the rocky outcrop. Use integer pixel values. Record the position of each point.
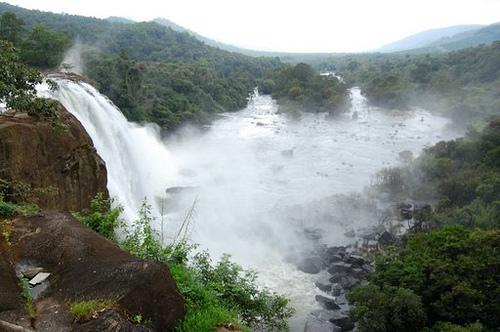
(55, 166)
(11, 303)
(83, 265)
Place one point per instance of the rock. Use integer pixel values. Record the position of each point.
(386, 238)
(326, 302)
(339, 267)
(348, 282)
(11, 303)
(344, 322)
(357, 272)
(110, 320)
(311, 265)
(287, 153)
(356, 260)
(336, 289)
(350, 233)
(31, 272)
(341, 299)
(331, 254)
(325, 287)
(61, 164)
(313, 324)
(367, 267)
(85, 265)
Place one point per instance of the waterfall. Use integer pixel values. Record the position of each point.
(138, 163)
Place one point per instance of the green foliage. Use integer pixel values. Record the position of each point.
(151, 72)
(387, 309)
(101, 217)
(11, 28)
(453, 270)
(299, 87)
(216, 294)
(39, 47)
(43, 48)
(464, 83)
(9, 209)
(17, 87)
(26, 295)
(84, 310)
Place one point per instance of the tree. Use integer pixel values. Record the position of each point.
(43, 48)
(18, 85)
(11, 28)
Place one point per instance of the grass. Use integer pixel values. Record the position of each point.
(26, 295)
(84, 310)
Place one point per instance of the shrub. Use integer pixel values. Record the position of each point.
(216, 294)
(387, 309)
(101, 217)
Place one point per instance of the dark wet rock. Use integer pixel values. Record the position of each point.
(327, 302)
(341, 299)
(11, 303)
(336, 289)
(344, 322)
(350, 233)
(314, 324)
(287, 153)
(386, 238)
(356, 260)
(85, 265)
(311, 265)
(110, 320)
(332, 254)
(324, 286)
(31, 272)
(368, 267)
(348, 282)
(357, 272)
(339, 267)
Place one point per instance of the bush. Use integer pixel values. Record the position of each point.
(387, 309)
(454, 270)
(101, 217)
(216, 294)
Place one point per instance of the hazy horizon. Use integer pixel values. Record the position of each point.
(292, 26)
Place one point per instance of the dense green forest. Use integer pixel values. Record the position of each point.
(444, 274)
(300, 88)
(153, 73)
(464, 84)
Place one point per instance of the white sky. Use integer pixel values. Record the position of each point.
(292, 25)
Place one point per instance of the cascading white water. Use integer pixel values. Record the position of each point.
(246, 172)
(138, 163)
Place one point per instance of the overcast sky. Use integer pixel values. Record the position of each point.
(292, 25)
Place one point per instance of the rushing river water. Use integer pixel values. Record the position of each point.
(237, 178)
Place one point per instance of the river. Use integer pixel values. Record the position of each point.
(238, 179)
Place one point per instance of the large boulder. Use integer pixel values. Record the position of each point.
(56, 166)
(11, 302)
(84, 265)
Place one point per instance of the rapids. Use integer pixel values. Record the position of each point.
(236, 178)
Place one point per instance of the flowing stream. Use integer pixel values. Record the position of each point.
(234, 181)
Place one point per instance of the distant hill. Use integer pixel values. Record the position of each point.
(425, 38)
(208, 41)
(117, 19)
(485, 35)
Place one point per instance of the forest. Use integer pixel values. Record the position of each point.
(463, 84)
(155, 74)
